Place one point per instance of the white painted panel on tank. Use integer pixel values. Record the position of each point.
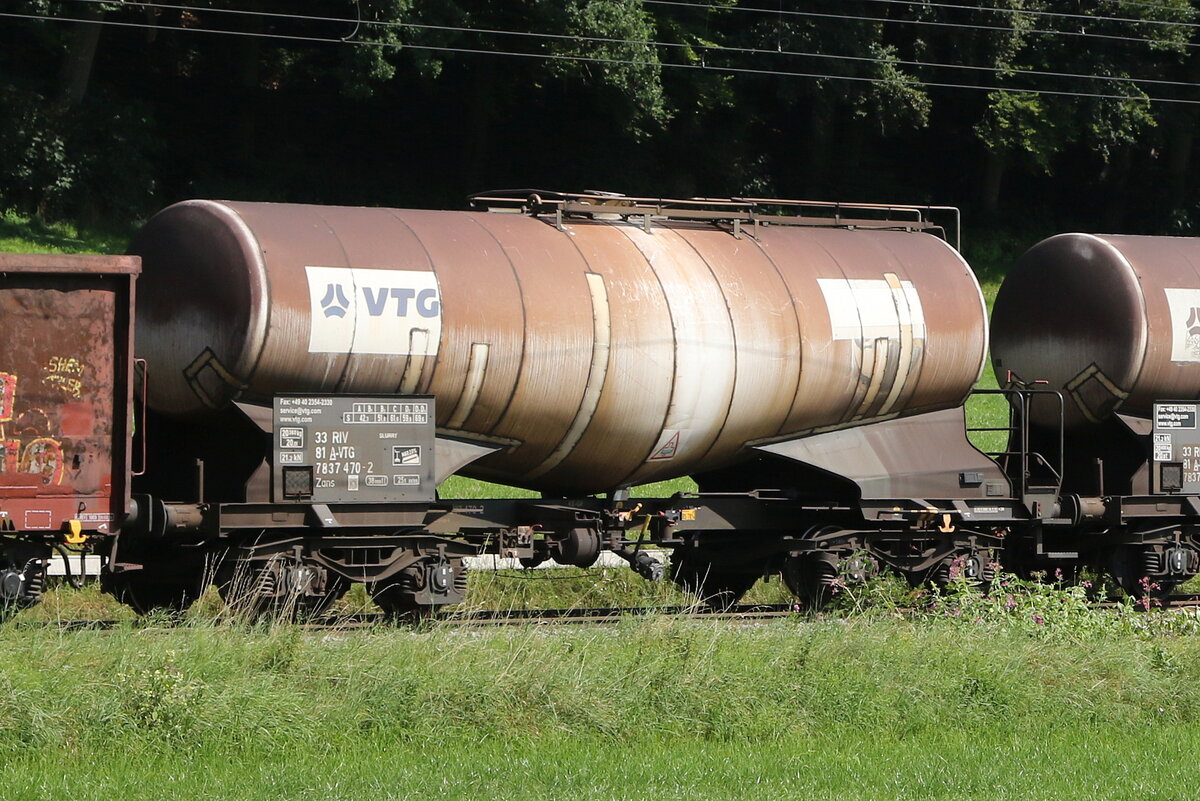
(373, 311)
(1185, 324)
(868, 308)
(705, 350)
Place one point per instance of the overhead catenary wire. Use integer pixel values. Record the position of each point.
(678, 46)
(357, 23)
(934, 23)
(612, 61)
(599, 60)
(1146, 5)
(1030, 12)
(1139, 4)
(677, 3)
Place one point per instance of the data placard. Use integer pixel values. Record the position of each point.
(353, 449)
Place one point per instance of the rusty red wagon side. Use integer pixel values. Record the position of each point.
(66, 401)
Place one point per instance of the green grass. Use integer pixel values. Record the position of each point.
(20, 234)
(653, 708)
(567, 588)
(461, 487)
(1087, 763)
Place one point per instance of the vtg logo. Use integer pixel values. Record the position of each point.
(424, 301)
(1193, 322)
(335, 304)
(376, 301)
(373, 311)
(1192, 338)
(1184, 306)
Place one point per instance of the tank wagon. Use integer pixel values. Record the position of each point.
(1107, 329)
(312, 374)
(573, 345)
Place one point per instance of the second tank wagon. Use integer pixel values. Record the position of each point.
(1111, 321)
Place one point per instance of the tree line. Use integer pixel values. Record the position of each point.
(1078, 113)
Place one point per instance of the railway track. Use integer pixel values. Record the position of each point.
(595, 616)
(557, 617)
(1190, 600)
(615, 614)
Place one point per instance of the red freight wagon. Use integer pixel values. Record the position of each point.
(66, 368)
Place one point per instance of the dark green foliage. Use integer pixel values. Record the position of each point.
(92, 162)
(37, 171)
(406, 102)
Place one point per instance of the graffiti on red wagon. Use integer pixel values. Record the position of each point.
(23, 441)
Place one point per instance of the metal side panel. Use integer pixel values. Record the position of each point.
(65, 391)
(451, 454)
(925, 456)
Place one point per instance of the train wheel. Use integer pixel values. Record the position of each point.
(976, 567)
(148, 590)
(1148, 591)
(1127, 566)
(280, 589)
(420, 589)
(296, 607)
(1065, 573)
(398, 605)
(811, 577)
(715, 588)
(21, 584)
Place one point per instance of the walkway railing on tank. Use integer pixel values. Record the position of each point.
(738, 212)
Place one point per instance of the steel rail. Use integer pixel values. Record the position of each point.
(570, 616)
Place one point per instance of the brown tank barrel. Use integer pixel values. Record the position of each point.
(600, 353)
(1111, 321)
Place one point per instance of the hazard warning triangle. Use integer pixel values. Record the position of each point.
(668, 449)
